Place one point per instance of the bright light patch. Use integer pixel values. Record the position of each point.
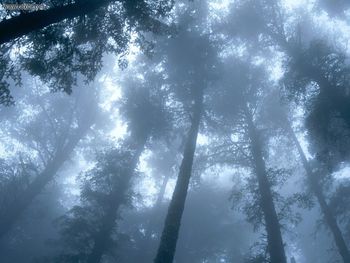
(119, 130)
(292, 4)
(134, 49)
(111, 92)
(146, 186)
(220, 6)
(343, 173)
(169, 189)
(202, 139)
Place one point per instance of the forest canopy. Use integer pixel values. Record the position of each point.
(185, 131)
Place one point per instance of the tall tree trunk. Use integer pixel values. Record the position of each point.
(339, 103)
(101, 240)
(23, 24)
(167, 247)
(39, 183)
(317, 190)
(274, 236)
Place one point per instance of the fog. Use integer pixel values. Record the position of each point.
(203, 131)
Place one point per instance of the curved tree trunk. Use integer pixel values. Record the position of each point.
(39, 183)
(274, 236)
(317, 190)
(167, 247)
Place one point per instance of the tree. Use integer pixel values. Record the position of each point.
(163, 163)
(53, 137)
(70, 39)
(315, 71)
(325, 208)
(186, 71)
(87, 230)
(339, 203)
(109, 185)
(153, 89)
(237, 103)
(278, 115)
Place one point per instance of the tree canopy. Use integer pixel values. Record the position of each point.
(174, 131)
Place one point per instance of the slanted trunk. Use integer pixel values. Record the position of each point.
(274, 236)
(23, 24)
(39, 183)
(101, 240)
(162, 190)
(326, 211)
(159, 200)
(146, 242)
(167, 247)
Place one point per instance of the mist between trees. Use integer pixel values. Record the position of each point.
(179, 131)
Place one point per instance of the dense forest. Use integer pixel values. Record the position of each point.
(187, 131)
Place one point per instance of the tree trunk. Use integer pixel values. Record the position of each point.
(316, 188)
(167, 247)
(162, 190)
(23, 24)
(146, 242)
(101, 240)
(39, 183)
(159, 200)
(274, 236)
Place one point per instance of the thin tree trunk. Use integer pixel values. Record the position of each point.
(146, 242)
(274, 236)
(167, 247)
(101, 240)
(159, 200)
(39, 183)
(316, 188)
(162, 190)
(23, 24)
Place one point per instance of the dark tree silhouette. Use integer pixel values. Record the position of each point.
(70, 40)
(189, 78)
